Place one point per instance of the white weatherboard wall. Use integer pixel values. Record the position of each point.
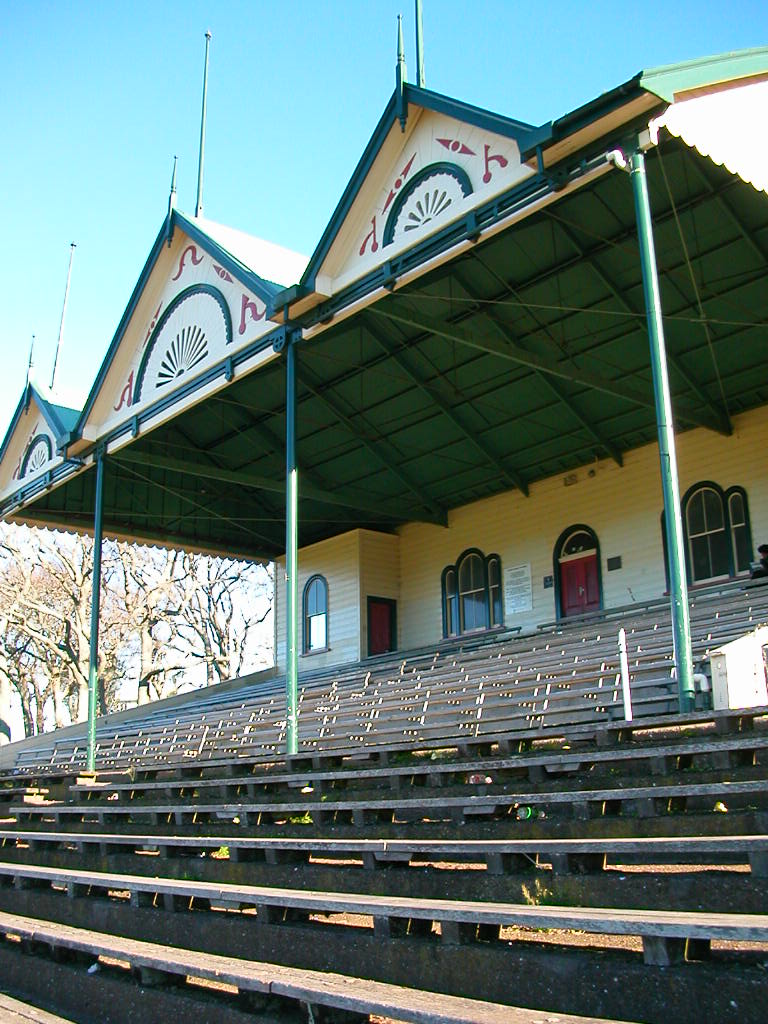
(338, 561)
(379, 575)
(622, 505)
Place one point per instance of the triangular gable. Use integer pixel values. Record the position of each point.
(725, 125)
(450, 158)
(32, 444)
(196, 303)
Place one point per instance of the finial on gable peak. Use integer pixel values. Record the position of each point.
(172, 194)
(401, 75)
(31, 362)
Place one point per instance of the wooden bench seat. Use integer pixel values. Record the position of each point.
(500, 856)
(654, 755)
(510, 740)
(640, 799)
(303, 986)
(664, 933)
(13, 1011)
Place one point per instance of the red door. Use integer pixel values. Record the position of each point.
(579, 586)
(381, 625)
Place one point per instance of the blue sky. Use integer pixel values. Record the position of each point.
(97, 99)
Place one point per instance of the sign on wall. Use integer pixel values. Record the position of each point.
(518, 591)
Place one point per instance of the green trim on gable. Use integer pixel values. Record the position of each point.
(665, 82)
(504, 126)
(266, 291)
(670, 80)
(59, 418)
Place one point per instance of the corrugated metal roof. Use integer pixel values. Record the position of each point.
(730, 126)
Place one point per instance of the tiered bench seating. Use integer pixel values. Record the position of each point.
(471, 690)
(384, 865)
(474, 832)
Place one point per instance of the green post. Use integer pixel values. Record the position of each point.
(93, 669)
(681, 628)
(291, 552)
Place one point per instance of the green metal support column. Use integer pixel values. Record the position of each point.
(93, 669)
(291, 552)
(678, 586)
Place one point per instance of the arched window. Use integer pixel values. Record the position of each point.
(707, 536)
(471, 593)
(577, 577)
(450, 602)
(716, 531)
(741, 540)
(315, 615)
(494, 590)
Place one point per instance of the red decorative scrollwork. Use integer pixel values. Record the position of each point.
(495, 158)
(152, 323)
(223, 274)
(247, 306)
(455, 146)
(370, 237)
(192, 250)
(394, 190)
(125, 394)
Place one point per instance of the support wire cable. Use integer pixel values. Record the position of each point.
(702, 315)
(191, 501)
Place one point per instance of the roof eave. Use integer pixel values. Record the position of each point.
(582, 117)
(266, 290)
(661, 85)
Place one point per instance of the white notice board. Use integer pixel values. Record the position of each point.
(518, 592)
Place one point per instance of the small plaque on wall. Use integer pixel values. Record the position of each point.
(518, 591)
(549, 582)
(614, 563)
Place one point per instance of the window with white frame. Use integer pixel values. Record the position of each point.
(315, 615)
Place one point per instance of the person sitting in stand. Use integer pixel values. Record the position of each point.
(760, 569)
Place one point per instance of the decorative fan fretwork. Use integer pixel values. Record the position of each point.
(39, 453)
(429, 196)
(187, 349)
(426, 206)
(195, 328)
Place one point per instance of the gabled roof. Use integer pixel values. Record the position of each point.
(656, 86)
(413, 96)
(60, 418)
(240, 254)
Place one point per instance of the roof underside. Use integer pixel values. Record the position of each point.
(523, 358)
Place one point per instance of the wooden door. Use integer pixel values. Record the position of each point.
(579, 585)
(381, 625)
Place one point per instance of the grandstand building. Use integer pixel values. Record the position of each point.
(458, 380)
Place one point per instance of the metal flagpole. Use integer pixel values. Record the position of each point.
(419, 45)
(199, 206)
(678, 586)
(63, 311)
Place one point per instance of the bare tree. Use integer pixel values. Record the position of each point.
(148, 584)
(222, 604)
(161, 614)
